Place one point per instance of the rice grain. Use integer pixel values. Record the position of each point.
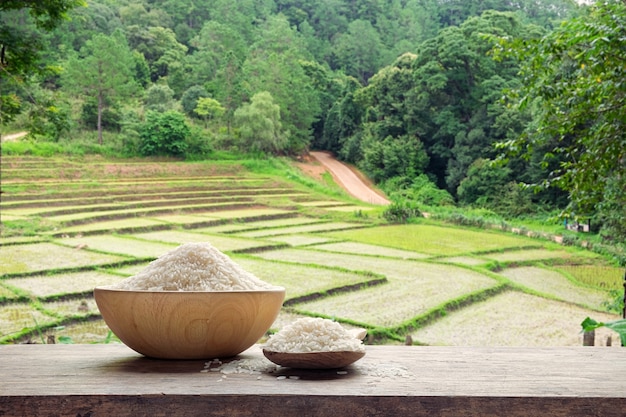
(193, 267)
(311, 334)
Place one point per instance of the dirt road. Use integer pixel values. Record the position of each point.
(13, 136)
(351, 182)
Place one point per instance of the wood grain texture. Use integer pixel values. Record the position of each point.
(314, 360)
(105, 380)
(189, 324)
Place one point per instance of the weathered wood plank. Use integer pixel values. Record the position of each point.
(104, 380)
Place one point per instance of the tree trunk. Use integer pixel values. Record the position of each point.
(100, 106)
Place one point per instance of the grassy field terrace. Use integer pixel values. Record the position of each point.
(69, 225)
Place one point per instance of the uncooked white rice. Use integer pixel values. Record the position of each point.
(310, 334)
(241, 366)
(193, 267)
(260, 366)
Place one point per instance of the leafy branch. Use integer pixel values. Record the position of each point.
(618, 326)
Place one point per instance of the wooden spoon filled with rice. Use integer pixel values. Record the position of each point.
(315, 343)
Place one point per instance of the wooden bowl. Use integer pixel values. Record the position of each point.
(189, 324)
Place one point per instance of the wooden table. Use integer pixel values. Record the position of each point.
(112, 380)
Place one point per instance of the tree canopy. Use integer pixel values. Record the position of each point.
(574, 83)
(21, 45)
(420, 94)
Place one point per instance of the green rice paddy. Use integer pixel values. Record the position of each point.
(39, 257)
(86, 223)
(435, 240)
(45, 286)
(512, 319)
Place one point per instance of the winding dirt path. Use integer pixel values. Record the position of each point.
(349, 180)
(13, 136)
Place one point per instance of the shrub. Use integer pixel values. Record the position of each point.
(419, 189)
(164, 134)
(199, 146)
(401, 211)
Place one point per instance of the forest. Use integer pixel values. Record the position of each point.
(515, 107)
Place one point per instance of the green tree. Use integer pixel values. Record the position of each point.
(48, 115)
(343, 121)
(483, 184)
(160, 98)
(457, 87)
(212, 47)
(208, 108)
(389, 146)
(83, 23)
(190, 97)
(47, 14)
(359, 51)
(328, 86)
(574, 81)
(104, 70)
(21, 45)
(227, 86)
(160, 48)
(400, 156)
(220, 51)
(164, 134)
(260, 127)
(137, 14)
(276, 64)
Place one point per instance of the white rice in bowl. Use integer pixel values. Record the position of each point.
(193, 267)
(310, 334)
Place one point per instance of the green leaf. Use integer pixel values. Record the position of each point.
(618, 326)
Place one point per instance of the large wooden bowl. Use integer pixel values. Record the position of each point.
(189, 324)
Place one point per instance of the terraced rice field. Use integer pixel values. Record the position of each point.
(97, 222)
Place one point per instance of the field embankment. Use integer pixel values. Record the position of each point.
(69, 225)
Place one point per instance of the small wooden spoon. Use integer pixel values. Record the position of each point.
(314, 360)
(318, 360)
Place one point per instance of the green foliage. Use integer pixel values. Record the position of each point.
(573, 82)
(47, 14)
(10, 107)
(189, 99)
(378, 83)
(343, 121)
(611, 210)
(31, 148)
(491, 186)
(159, 46)
(260, 127)
(22, 42)
(276, 65)
(359, 51)
(104, 71)
(142, 70)
(401, 211)
(47, 115)
(402, 156)
(618, 326)
(159, 98)
(420, 190)
(164, 134)
(199, 147)
(110, 117)
(209, 108)
(456, 94)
